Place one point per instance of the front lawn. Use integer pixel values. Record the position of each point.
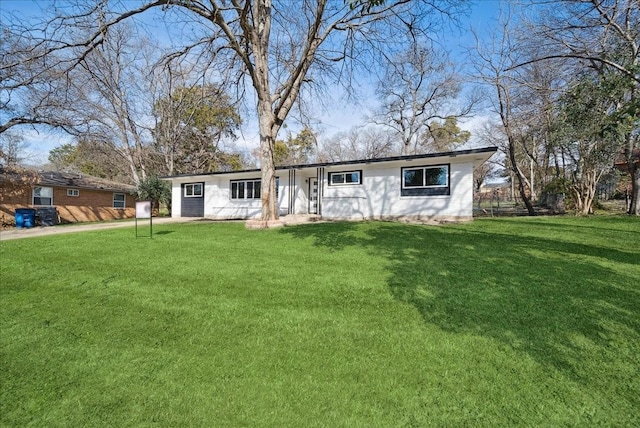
(502, 322)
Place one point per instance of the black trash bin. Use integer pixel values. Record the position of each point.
(48, 216)
(25, 217)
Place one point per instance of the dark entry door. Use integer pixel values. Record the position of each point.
(192, 200)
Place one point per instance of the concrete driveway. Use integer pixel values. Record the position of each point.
(14, 233)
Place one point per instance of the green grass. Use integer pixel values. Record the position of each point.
(502, 322)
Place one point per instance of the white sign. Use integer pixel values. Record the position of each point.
(143, 209)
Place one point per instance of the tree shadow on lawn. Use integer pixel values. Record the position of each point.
(603, 225)
(559, 302)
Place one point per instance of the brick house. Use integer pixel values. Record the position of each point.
(76, 197)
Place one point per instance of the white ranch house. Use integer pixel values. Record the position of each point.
(419, 187)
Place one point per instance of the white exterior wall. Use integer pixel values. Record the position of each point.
(283, 193)
(379, 195)
(176, 199)
(217, 197)
(218, 203)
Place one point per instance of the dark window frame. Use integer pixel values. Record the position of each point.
(244, 188)
(332, 174)
(425, 189)
(239, 190)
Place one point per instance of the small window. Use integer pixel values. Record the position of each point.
(193, 190)
(73, 192)
(425, 181)
(119, 200)
(42, 195)
(345, 178)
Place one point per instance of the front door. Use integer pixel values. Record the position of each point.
(313, 196)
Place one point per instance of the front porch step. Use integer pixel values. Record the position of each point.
(288, 220)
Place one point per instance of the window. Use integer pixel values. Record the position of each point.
(119, 200)
(73, 192)
(345, 178)
(193, 190)
(42, 195)
(246, 189)
(425, 180)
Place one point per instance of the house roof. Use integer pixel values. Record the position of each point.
(81, 181)
(486, 151)
(74, 180)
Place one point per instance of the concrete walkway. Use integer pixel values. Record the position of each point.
(14, 233)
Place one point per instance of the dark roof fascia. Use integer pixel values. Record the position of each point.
(395, 158)
(482, 150)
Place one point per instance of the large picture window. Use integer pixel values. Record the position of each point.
(425, 180)
(42, 195)
(245, 189)
(193, 190)
(343, 178)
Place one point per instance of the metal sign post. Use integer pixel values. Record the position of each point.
(143, 210)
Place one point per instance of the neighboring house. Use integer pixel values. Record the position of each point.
(622, 163)
(419, 187)
(76, 197)
(499, 191)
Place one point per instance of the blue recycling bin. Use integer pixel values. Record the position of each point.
(25, 217)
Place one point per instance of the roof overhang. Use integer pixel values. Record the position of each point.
(477, 156)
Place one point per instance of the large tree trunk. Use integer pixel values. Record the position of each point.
(268, 122)
(268, 133)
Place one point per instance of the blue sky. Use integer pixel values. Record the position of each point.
(343, 115)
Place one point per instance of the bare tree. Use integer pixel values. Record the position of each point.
(31, 78)
(13, 149)
(110, 89)
(587, 31)
(15, 179)
(90, 157)
(191, 125)
(277, 51)
(482, 174)
(420, 87)
(510, 96)
(367, 142)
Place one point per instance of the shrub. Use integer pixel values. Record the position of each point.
(155, 190)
